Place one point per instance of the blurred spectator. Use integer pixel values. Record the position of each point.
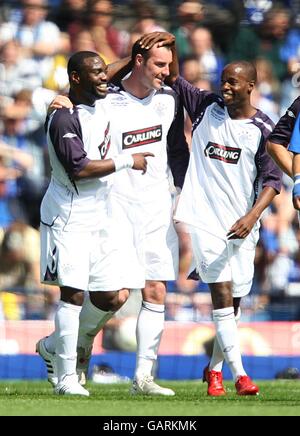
(109, 41)
(146, 18)
(133, 37)
(10, 209)
(57, 76)
(20, 272)
(290, 54)
(255, 308)
(71, 17)
(19, 258)
(83, 41)
(266, 94)
(38, 38)
(255, 10)
(191, 69)
(30, 184)
(267, 84)
(223, 17)
(16, 72)
(194, 307)
(266, 105)
(264, 41)
(190, 15)
(285, 215)
(211, 62)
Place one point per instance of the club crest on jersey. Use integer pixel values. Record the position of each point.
(105, 145)
(136, 138)
(221, 152)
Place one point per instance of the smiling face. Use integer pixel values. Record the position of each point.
(91, 79)
(237, 83)
(155, 68)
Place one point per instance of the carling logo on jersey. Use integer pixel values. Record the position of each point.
(105, 145)
(220, 152)
(136, 138)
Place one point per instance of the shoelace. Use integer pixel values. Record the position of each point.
(216, 376)
(244, 380)
(146, 379)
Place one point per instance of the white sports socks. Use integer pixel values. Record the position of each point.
(150, 325)
(226, 330)
(91, 321)
(217, 358)
(66, 327)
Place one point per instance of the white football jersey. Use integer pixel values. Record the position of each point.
(141, 125)
(76, 136)
(228, 164)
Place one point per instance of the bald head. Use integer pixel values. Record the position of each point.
(237, 83)
(243, 68)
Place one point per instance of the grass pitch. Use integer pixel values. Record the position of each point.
(277, 398)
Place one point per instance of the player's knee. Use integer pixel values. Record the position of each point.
(123, 295)
(109, 301)
(72, 296)
(155, 292)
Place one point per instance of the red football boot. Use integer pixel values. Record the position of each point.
(215, 382)
(245, 386)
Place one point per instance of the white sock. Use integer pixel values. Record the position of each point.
(150, 325)
(217, 358)
(50, 343)
(91, 321)
(227, 335)
(66, 328)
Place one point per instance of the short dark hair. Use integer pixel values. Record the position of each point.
(137, 49)
(145, 53)
(248, 67)
(76, 60)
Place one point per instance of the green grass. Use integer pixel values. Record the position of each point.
(35, 398)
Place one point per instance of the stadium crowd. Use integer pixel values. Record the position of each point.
(36, 40)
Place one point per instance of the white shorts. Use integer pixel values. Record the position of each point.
(161, 240)
(147, 239)
(128, 236)
(82, 260)
(223, 261)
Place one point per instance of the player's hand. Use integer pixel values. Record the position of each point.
(59, 102)
(296, 192)
(140, 161)
(160, 38)
(242, 227)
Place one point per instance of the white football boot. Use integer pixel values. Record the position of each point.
(69, 385)
(145, 386)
